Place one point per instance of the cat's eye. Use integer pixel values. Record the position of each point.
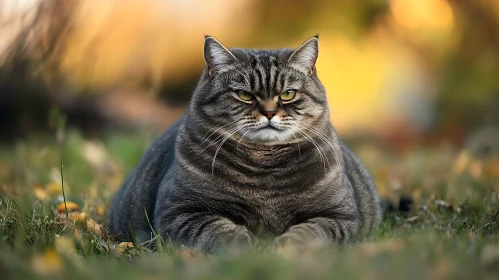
(244, 95)
(288, 95)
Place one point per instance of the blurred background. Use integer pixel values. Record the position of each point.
(399, 73)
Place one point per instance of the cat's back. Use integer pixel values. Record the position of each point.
(137, 195)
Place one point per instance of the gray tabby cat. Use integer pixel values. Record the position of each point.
(254, 155)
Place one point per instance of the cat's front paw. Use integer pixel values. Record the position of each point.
(288, 239)
(243, 239)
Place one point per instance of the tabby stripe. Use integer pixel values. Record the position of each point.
(212, 98)
(180, 229)
(261, 79)
(253, 81)
(268, 80)
(200, 228)
(315, 99)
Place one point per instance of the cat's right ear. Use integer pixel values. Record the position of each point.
(217, 57)
(305, 56)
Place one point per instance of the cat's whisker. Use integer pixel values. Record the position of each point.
(297, 143)
(239, 142)
(327, 141)
(319, 149)
(217, 129)
(330, 142)
(220, 137)
(217, 140)
(233, 131)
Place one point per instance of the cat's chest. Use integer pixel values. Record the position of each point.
(270, 217)
(274, 212)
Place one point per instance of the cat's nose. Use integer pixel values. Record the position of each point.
(269, 114)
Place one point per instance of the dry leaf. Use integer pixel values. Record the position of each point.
(412, 219)
(123, 247)
(77, 234)
(94, 227)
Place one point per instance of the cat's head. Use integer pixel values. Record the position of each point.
(264, 96)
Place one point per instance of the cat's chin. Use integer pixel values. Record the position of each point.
(270, 136)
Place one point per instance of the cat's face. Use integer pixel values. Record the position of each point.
(263, 96)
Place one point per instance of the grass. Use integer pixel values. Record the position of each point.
(451, 233)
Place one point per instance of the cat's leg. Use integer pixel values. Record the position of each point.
(321, 230)
(207, 232)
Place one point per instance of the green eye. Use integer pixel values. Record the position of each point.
(246, 96)
(288, 95)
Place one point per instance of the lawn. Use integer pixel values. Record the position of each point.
(451, 232)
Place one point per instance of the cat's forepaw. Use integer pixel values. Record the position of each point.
(244, 239)
(298, 241)
(289, 239)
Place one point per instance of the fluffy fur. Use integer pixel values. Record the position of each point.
(232, 170)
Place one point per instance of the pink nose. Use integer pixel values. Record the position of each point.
(270, 114)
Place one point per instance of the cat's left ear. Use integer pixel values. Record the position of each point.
(305, 56)
(218, 58)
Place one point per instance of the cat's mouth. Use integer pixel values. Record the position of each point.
(271, 127)
(269, 134)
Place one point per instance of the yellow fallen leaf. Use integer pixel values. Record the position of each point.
(116, 181)
(461, 162)
(54, 188)
(492, 169)
(416, 194)
(441, 269)
(40, 192)
(95, 153)
(48, 263)
(72, 207)
(93, 191)
(101, 210)
(186, 255)
(78, 217)
(476, 169)
(289, 251)
(65, 245)
(375, 248)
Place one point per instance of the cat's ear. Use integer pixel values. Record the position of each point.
(217, 57)
(305, 56)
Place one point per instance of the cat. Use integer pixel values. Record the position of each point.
(255, 155)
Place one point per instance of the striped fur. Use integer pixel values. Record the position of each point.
(225, 174)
